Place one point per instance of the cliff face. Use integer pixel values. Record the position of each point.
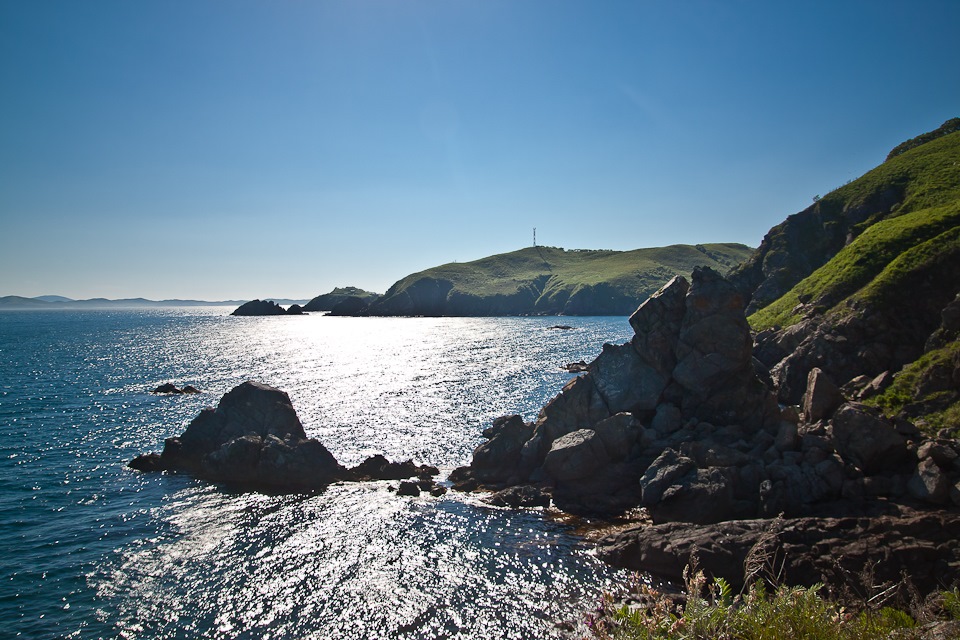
(549, 281)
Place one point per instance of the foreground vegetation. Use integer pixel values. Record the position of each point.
(713, 611)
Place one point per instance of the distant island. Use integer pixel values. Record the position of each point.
(328, 301)
(546, 281)
(60, 302)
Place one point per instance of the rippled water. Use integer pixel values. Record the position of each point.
(92, 549)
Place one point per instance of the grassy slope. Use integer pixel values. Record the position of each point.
(641, 269)
(929, 176)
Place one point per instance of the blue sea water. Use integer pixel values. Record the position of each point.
(91, 549)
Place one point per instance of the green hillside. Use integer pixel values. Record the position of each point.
(927, 180)
(549, 280)
(886, 299)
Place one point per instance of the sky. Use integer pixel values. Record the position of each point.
(217, 150)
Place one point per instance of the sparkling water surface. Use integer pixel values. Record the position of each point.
(91, 549)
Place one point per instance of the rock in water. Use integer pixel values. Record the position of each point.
(255, 439)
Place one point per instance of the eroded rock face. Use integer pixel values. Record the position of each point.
(689, 363)
(253, 438)
(925, 546)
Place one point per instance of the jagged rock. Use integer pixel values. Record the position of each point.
(702, 496)
(925, 546)
(663, 472)
(170, 388)
(579, 405)
(618, 434)
(520, 496)
(868, 439)
(407, 488)
(876, 386)
(656, 325)
(941, 452)
(577, 367)
(625, 381)
(378, 467)
(575, 455)
(929, 483)
(498, 460)
(253, 438)
(822, 396)
(350, 306)
(667, 420)
(264, 308)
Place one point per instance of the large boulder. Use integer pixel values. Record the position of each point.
(249, 408)
(867, 439)
(656, 325)
(253, 438)
(497, 461)
(822, 396)
(575, 456)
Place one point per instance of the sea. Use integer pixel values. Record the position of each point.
(92, 549)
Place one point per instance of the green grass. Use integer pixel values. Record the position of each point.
(905, 390)
(872, 262)
(558, 269)
(783, 613)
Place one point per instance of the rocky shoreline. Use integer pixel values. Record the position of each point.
(684, 422)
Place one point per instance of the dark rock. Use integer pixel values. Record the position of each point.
(254, 439)
(929, 483)
(407, 488)
(190, 389)
(656, 325)
(328, 301)
(577, 367)
(667, 469)
(167, 387)
(618, 433)
(259, 308)
(498, 460)
(867, 439)
(520, 496)
(294, 310)
(379, 468)
(804, 551)
(625, 381)
(147, 462)
(575, 455)
(703, 496)
(350, 306)
(563, 327)
(822, 396)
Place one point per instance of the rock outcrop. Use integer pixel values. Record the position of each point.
(688, 372)
(254, 439)
(266, 308)
(842, 552)
(680, 421)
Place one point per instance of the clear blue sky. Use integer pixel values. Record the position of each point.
(217, 150)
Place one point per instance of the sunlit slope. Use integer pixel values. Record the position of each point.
(549, 280)
(924, 180)
(916, 232)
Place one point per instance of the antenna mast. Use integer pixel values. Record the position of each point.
(534, 236)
